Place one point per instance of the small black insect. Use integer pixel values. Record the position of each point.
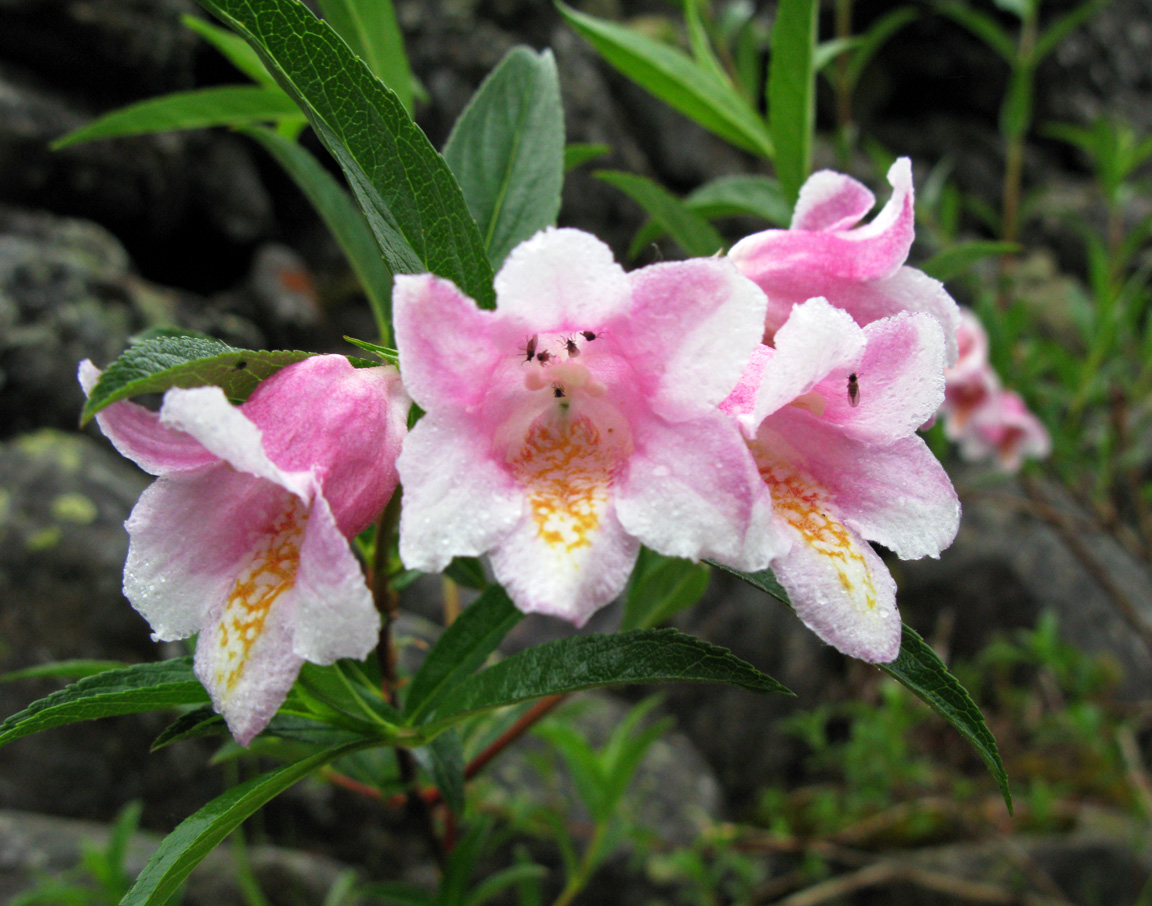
(558, 391)
(241, 365)
(588, 335)
(853, 390)
(530, 348)
(573, 349)
(543, 356)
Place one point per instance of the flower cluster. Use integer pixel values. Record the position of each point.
(988, 421)
(757, 409)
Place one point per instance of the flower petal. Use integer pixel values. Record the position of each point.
(342, 423)
(897, 495)
(447, 345)
(226, 432)
(137, 434)
(697, 500)
(189, 534)
(562, 279)
(899, 380)
(831, 201)
(693, 324)
(816, 339)
(458, 501)
(335, 615)
(844, 593)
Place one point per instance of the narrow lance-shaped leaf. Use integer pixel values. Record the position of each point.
(371, 29)
(234, 48)
(344, 220)
(156, 365)
(792, 92)
(507, 151)
(405, 188)
(922, 671)
(196, 836)
(240, 105)
(141, 687)
(673, 77)
(590, 661)
(660, 588)
(695, 235)
(462, 648)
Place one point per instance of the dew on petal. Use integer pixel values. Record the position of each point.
(805, 506)
(270, 571)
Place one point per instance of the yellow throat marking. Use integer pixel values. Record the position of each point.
(803, 504)
(270, 571)
(567, 471)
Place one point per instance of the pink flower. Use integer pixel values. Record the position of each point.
(578, 421)
(243, 537)
(1004, 429)
(830, 415)
(857, 268)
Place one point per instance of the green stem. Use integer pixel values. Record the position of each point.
(588, 862)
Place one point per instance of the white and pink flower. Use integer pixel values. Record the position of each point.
(578, 421)
(830, 416)
(857, 268)
(243, 537)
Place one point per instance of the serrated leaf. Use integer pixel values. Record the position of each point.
(792, 92)
(695, 235)
(660, 588)
(74, 669)
(344, 220)
(957, 258)
(239, 105)
(920, 669)
(407, 192)
(158, 365)
(591, 661)
(462, 648)
(579, 153)
(507, 151)
(673, 77)
(371, 30)
(141, 687)
(196, 836)
(235, 49)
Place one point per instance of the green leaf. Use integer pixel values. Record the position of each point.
(957, 258)
(792, 92)
(875, 38)
(1016, 109)
(234, 48)
(157, 365)
(507, 151)
(827, 51)
(695, 235)
(579, 153)
(371, 30)
(733, 196)
(701, 45)
(191, 725)
(467, 571)
(591, 661)
(1063, 27)
(443, 758)
(462, 648)
(982, 25)
(407, 192)
(239, 105)
(141, 687)
(673, 77)
(920, 669)
(75, 669)
(495, 884)
(660, 588)
(344, 220)
(196, 836)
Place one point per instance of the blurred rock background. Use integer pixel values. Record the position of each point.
(201, 230)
